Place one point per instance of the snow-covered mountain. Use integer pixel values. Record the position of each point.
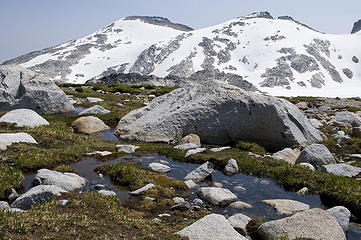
(279, 56)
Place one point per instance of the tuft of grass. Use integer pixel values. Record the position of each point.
(250, 147)
(64, 168)
(86, 216)
(9, 178)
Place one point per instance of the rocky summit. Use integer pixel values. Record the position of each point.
(224, 115)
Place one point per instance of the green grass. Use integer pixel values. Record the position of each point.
(9, 178)
(250, 147)
(87, 216)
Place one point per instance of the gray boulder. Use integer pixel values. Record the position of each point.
(23, 88)
(37, 195)
(342, 216)
(231, 168)
(158, 167)
(191, 138)
(216, 196)
(314, 224)
(6, 139)
(201, 172)
(348, 117)
(4, 205)
(239, 222)
(95, 110)
(287, 206)
(218, 113)
(211, 227)
(67, 181)
(24, 118)
(317, 155)
(89, 125)
(342, 169)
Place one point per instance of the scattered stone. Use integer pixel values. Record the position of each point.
(63, 203)
(317, 155)
(107, 193)
(201, 172)
(264, 182)
(4, 205)
(24, 88)
(302, 105)
(198, 202)
(239, 222)
(190, 184)
(348, 117)
(37, 195)
(143, 189)
(89, 125)
(239, 188)
(240, 205)
(24, 118)
(217, 184)
(211, 227)
(355, 59)
(302, 191)
(13, 195)
(194, 151)
(120, 104)
(216, 196)
(220, 149)
(342, 216)
(286, 206)
(101, 153)
(95, 110)
(99, 186)
(67, 181)
(191, 138)
(182, 206)
(178, 200)
(313, 224)
(6, 139)
(164, 215)
(149, 198)
(289, 155)
(126, 148)
(94, 100)
(186, 146)
(342, 169)
(158, 167)
(231, 167)
(224, 115)
(341, 137)
(163, 161)
(308, 165)
(315, 123)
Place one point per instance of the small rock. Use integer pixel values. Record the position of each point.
(13, 195)
(178, 200)
(120, 104)
(101, 153)
(341, 169)
(217, 184)
(191, 138)
(220, 149)
(107, 193)
(342, 216)
(216, 196)
(264, 182)
(198, 202)
(126, 148)
(95, 110)
(194, 151)
(201, 172)
(302, 191)
(24, 118)
(149, 198)
(239, 222)
(89, 125)
(4, 205)
(164, 215)
(308, 165)
(15, 210)
(348, 117)
(239, 188)
(289, 155)
(163, 161)
(231, 167)
(286, 206)
(143, 189)
(186, 146)
(99, 186)
(302, 105)
(240, 205)
(63, 203)
(317, 155)
(94, 100)
(190, 184)
(158, 167)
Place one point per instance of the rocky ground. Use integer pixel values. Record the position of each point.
(59, 205)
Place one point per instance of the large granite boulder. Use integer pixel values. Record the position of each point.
(67, 181)
(317, 155)
(89, 125)
(218, 113)
(24, 118)
(23, 88)
(348, 117)
(313, 224)
(342, 169)
(211, 227)
(287, 206)
(6, 139)
(37, 195)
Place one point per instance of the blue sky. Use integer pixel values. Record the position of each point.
(29, 25)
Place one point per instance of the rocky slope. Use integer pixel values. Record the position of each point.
(279, 56)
